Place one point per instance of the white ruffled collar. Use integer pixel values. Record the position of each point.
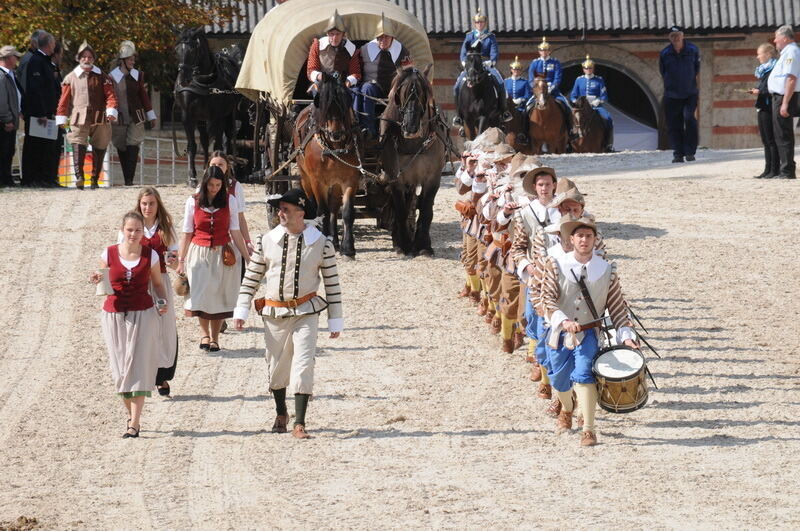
(595, 268)
(310, 234)
(324, 42)
(118, 75)
(78, 70)
(373, 49)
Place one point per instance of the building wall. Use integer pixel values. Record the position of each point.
(726, 114)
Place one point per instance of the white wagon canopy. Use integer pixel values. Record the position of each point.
(279, 46)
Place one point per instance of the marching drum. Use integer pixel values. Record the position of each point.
(621, 383)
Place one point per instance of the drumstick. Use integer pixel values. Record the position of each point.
(636, 318)
(650, 375)
(649, 346)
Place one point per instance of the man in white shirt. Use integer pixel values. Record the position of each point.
(784, 87)
(10, 104)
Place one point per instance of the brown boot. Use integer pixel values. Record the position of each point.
(483, 306)
(78, 156)
(508, 346)
(299, 432)
(536, 375)
(588, 438)
(554, 409)
(495, 326)
(519, 340)
(564, 422)
(97, 166)
(280, 424)
(545, 391)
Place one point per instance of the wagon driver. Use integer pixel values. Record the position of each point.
(292, 259)
(380, 57)
(333, 53)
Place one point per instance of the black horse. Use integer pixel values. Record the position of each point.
(477, 103)
(412, 157)
(204, 91)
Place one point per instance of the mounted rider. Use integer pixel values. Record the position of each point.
(550, 69)
(593, 88)
(380, 59)
(333, 53)
(519, 92)
(481, 38)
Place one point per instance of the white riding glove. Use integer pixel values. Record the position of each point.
(596, 103)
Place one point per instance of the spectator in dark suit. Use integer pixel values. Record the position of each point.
(10, 102)
(39, 103)
(767, 56)
(33, 45)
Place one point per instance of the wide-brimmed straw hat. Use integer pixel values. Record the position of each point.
(487, 139)
(529, 180)
(521, 164)
(569, 224)
(570, 195)
(499, 153)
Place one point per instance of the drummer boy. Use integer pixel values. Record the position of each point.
(577, 289)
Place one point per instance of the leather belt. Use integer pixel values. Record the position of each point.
(292, 303)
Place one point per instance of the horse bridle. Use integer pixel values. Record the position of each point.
(408, 107)
(479, 73)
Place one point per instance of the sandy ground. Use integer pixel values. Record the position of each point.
(418, 419)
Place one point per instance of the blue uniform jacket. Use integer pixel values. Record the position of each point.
(518, 88)
(589, 87)
(488, 45)
(679, 70)
(550, 68)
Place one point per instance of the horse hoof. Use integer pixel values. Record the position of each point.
(348, 258)
(425, 252)
(399, 251)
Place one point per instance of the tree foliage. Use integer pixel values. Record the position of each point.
(150, 24)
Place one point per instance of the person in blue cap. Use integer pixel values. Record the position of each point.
(679, 64)
(519, 92)
(593, 88)
(550, 68)
(487, 41)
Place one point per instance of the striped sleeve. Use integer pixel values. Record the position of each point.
(333, 290)
(616, 305)
(519, 245)
(600, 246)
(550, 291)
(252, 280)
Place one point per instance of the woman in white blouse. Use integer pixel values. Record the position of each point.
(211, 221)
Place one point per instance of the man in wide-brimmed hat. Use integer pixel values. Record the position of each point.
(571, 350)
(89, 104)
(292, 259)
(134, 110)
(538, 183)
(333, 53)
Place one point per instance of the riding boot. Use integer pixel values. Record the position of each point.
(522, 137)
(132, 162)
(609, 139)
(78, 156)
(568, 119)
(97, 165)
(122, 155)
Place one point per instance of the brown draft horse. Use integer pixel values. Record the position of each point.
(412, 158)
(329, 158)
(591, 128)
(547, 125)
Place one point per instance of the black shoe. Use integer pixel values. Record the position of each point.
(131, 433)
(677, 158)
(785, 176)
(163, 389)
(213, 346)
(204, 346)
(689, 158)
